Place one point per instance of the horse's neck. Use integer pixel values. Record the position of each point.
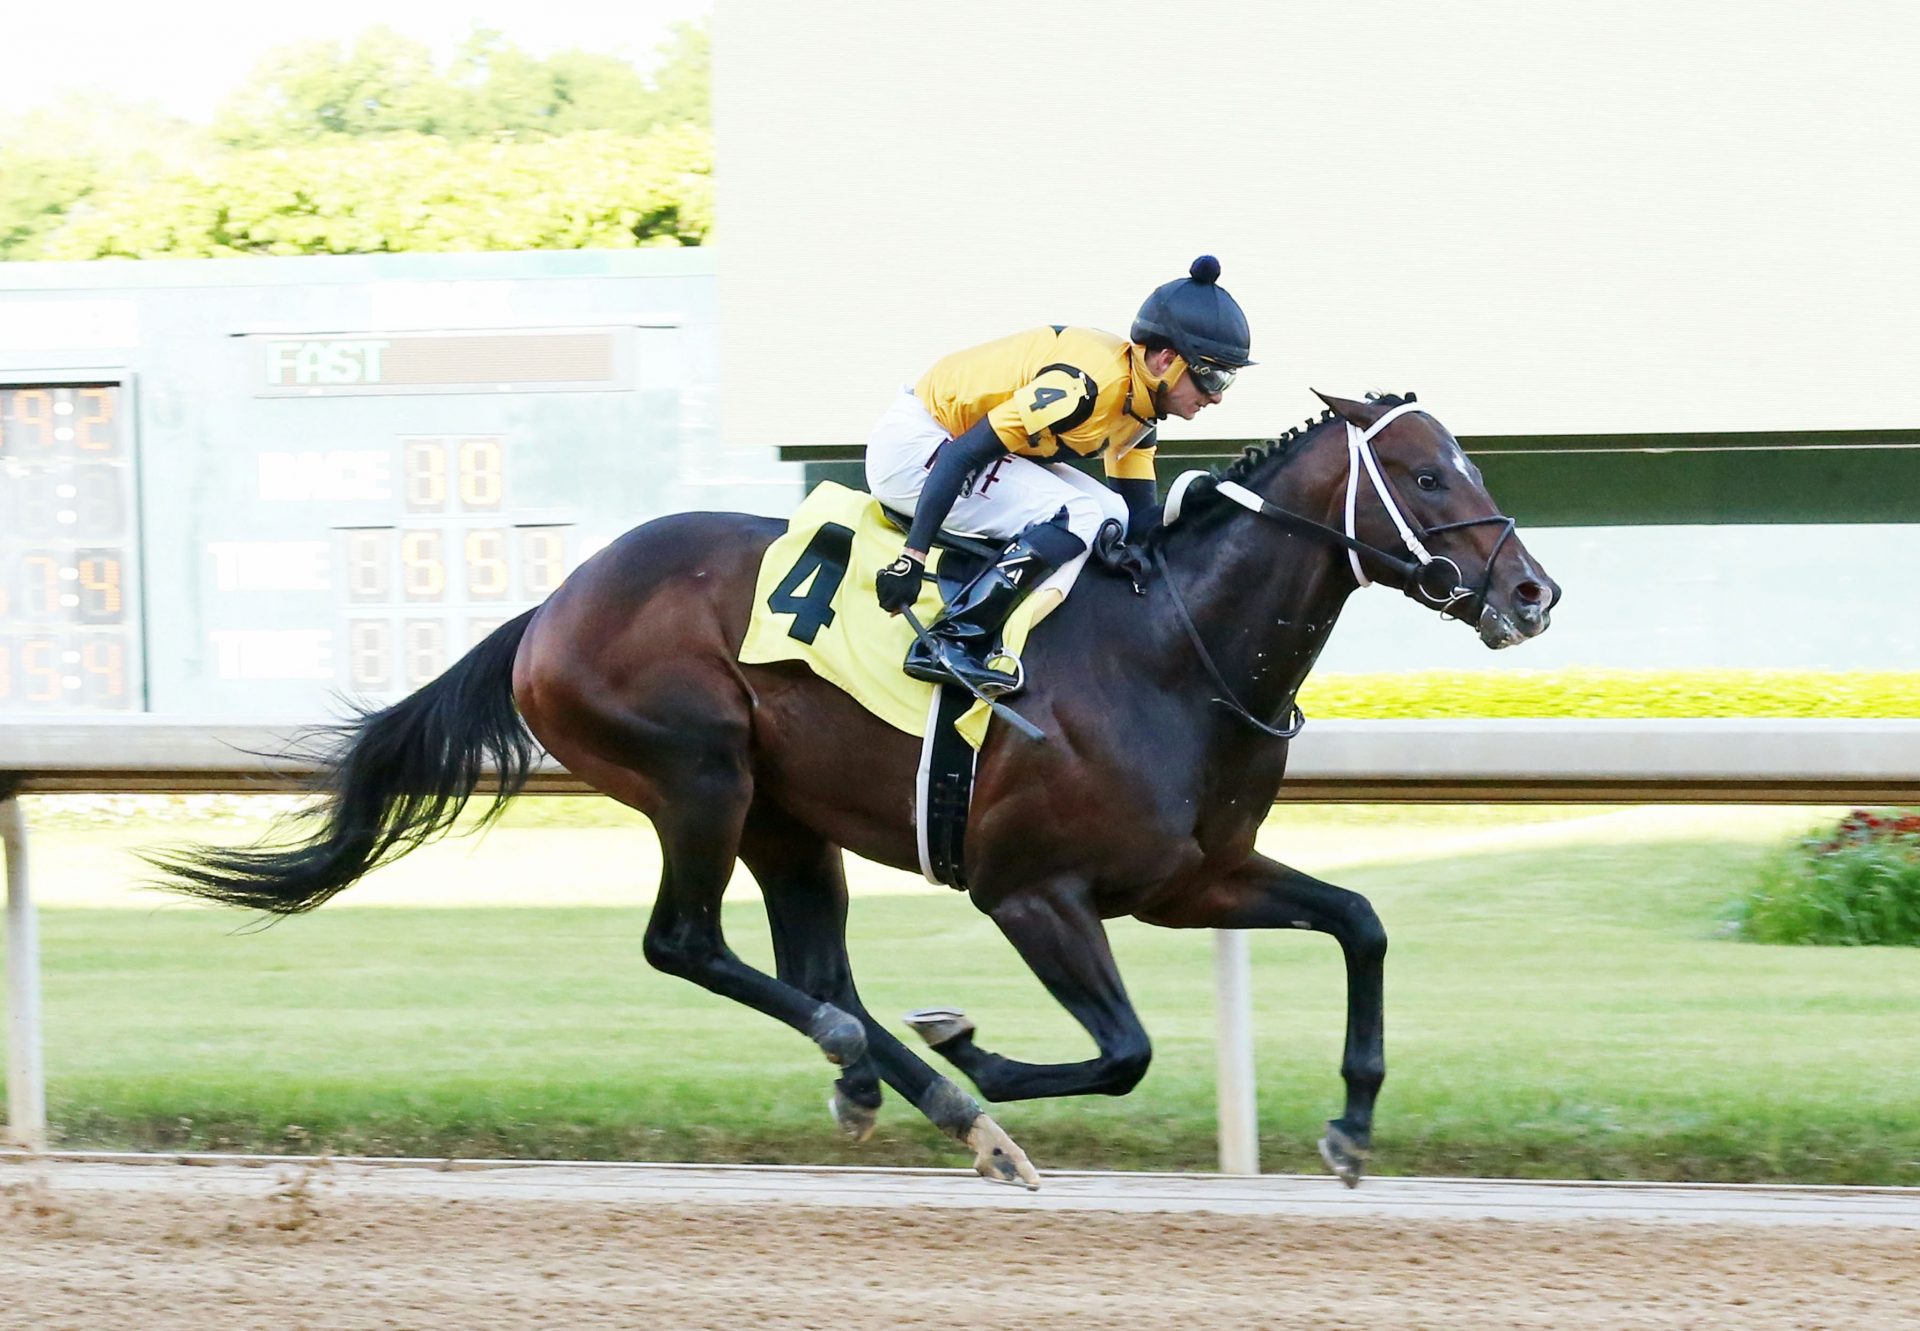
(1263, 599)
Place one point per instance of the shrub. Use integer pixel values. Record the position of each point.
(1612, 693)
(1856, 886)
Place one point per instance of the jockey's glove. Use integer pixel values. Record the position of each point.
(898, 584)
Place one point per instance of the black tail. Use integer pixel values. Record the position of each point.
(391, 781)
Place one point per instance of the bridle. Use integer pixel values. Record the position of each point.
(1361, 458)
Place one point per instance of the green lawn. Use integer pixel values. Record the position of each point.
(1559, 1004)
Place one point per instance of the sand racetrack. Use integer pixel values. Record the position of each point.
(93, 1246)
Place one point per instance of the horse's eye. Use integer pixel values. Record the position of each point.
(1427, 480)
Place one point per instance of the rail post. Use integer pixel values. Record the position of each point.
(26, 1077)
(1233, 1052)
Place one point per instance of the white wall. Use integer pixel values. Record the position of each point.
(1545, 217)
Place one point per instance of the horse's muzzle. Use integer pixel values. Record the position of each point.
(1523, 613)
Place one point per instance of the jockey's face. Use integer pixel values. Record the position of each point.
(1185, 398)
(1181, 397)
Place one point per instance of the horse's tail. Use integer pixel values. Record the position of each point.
(389, 781)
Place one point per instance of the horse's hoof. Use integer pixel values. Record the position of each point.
(856, 1120)
(1346, 1157)
(996, 1156)
(937, 1025)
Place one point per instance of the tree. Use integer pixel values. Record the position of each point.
(601, 92)
(387, 84)
(682, 86)
(52, 159)
(36, 193)
(384, 84)
(331, 149)
(410, 193)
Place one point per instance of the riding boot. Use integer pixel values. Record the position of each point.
(962, 639)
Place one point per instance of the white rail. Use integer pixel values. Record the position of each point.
(1654, 762)
(1693, 761)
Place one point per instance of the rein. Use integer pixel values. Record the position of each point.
(1295, 723)
(1360, 458)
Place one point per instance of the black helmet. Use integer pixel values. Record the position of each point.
(1197, 316)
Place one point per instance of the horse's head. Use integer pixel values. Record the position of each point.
(1403, 486)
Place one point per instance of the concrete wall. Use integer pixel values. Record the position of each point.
(1547, 218)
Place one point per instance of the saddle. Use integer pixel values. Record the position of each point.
(814, 604)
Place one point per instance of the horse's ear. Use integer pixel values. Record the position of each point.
(1362, 414)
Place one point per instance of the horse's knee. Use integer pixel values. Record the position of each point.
(1127, 1065)
(1365, 937)
(677, 951)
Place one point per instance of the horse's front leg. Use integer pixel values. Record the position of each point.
(1061, 937)
(1263, 894)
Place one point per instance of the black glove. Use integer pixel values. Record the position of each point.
(1128, 560)
(898, 584)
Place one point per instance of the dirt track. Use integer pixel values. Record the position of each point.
(95, 1249)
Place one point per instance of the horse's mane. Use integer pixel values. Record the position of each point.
(1202, 508)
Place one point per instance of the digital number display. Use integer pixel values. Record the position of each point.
(452, 568)
(69, 621)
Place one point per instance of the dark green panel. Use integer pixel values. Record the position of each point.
(850, 474)
(1843, 481)
(1653, 489)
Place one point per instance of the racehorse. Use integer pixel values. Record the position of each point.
(1166, 703)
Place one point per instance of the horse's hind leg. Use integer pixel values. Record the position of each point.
(803, 881)
(803, 884)
(696, 789)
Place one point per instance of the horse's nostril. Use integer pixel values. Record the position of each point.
(1529, 593)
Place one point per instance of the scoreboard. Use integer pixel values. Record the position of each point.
(248, 488)
(69, 553)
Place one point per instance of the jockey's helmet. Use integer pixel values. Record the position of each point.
(1197, 318)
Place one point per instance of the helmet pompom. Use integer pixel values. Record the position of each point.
(1205, 270)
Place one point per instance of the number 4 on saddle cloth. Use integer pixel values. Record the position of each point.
(814, 603)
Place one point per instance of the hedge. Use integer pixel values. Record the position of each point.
(1613, 694)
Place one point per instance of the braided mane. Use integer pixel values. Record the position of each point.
(1254, 462)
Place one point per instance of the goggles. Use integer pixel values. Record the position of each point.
(1210, 378)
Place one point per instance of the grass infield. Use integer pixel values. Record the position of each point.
(1560, 1002)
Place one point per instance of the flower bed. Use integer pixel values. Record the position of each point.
(1856, 885)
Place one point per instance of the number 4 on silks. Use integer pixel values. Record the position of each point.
(824, 562)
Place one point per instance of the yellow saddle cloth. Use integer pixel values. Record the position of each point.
(814, 602)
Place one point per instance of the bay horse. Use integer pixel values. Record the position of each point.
(1166, 703)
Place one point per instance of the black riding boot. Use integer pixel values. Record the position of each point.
(966, 631)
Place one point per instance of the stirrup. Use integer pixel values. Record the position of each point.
(1018, 678)
(940, 669)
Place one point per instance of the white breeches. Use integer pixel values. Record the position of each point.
(1006, 498)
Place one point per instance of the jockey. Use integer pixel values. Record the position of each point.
(980, 446)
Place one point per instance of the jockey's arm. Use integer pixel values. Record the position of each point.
(959, 459)
(898, 584)
(1143, 506)
(1132, 474)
